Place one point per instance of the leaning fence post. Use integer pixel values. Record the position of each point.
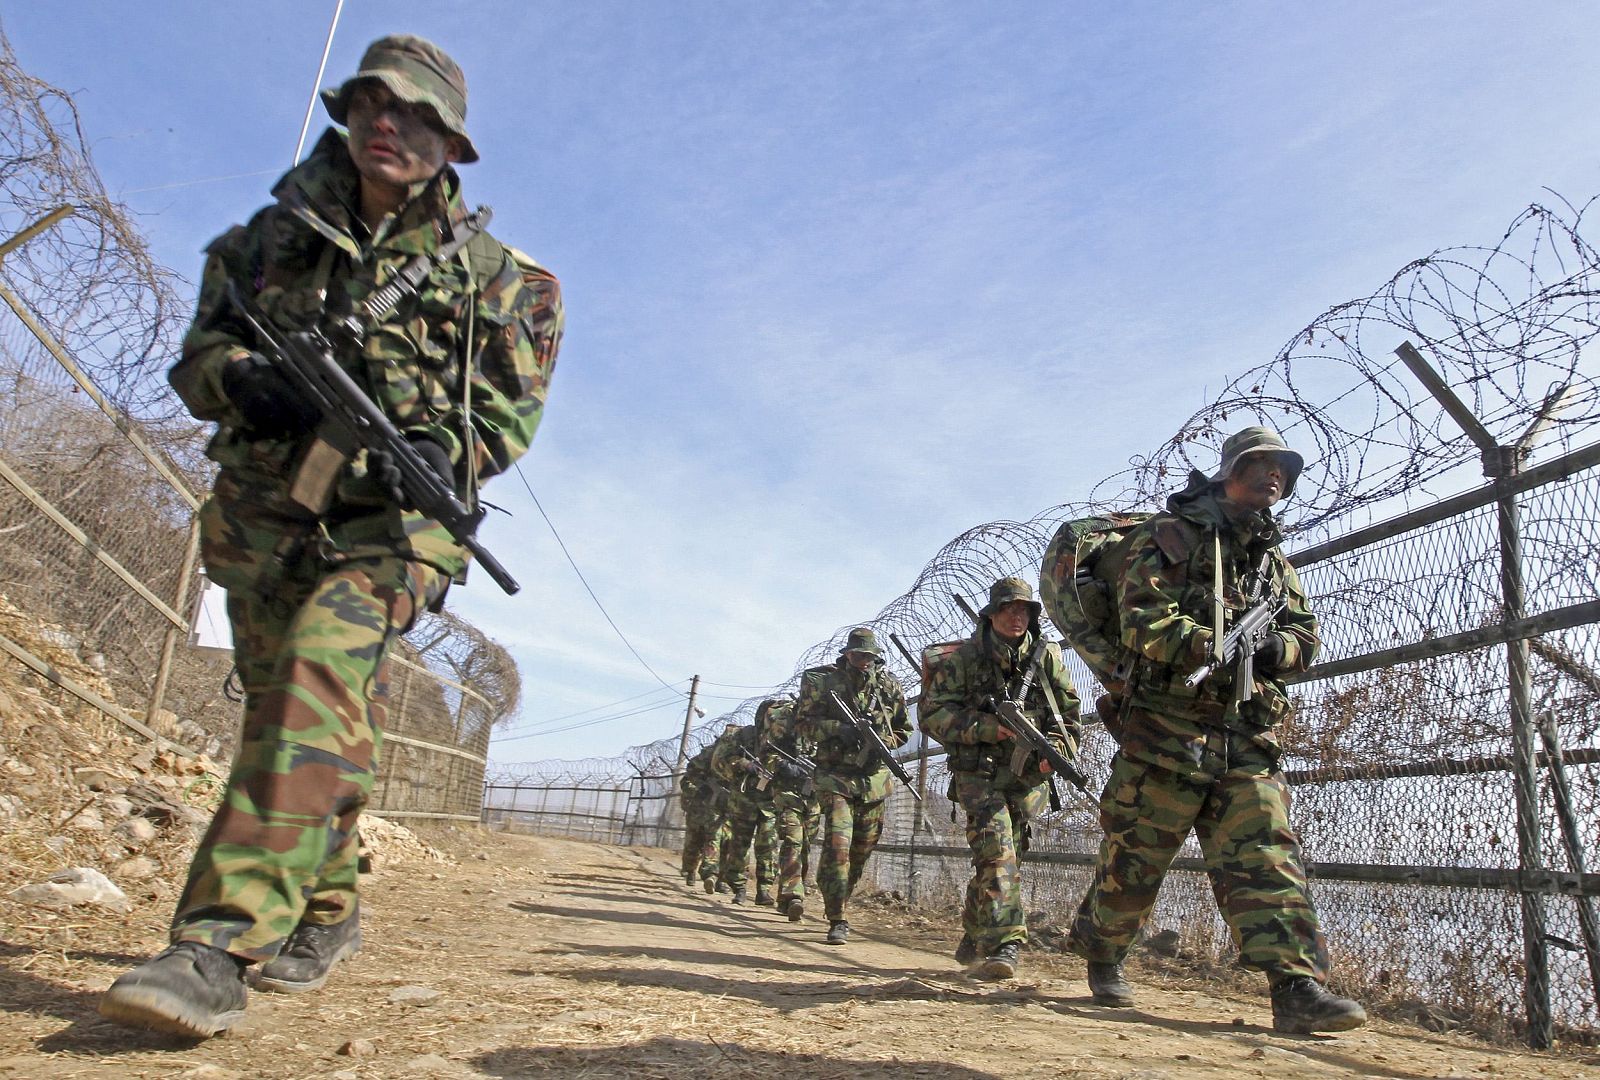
(169, 640)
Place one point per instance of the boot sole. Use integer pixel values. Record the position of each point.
(1311, 1027)
(992, 970)
(709, 884)
(285, 986)
(162, 1010)
(795, 910)
(1113, 1001)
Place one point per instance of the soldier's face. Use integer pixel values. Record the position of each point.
(1011, 620)
(396, 143)
(861, 661)
(1256, 482)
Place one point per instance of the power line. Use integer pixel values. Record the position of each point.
(581, 712)
(589, 723)
(571, 562)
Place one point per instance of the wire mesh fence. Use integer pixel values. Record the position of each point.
(1456, 615)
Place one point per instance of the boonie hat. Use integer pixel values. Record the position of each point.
(415, 70)
(1005, 591)
(862, 639)
(1260, 440)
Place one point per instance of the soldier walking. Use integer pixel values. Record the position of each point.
(851, 785)
(794, 802)
(1001, 785)
(705, 819)
(736, 762)
(324, 564)
(1206, 758)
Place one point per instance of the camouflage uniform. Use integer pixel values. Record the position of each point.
(795, 804)
(961, 681)
(750, 815)
(705, 817)
(851, 787)
(1198, 759)
(316, 599)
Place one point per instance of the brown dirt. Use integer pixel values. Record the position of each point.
(562, 958)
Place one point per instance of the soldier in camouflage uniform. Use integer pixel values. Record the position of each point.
(323, 566)
(794, 801)
(736, 762)
(1000, 788)
(705, 819)
(1203, 758)
(851, 786)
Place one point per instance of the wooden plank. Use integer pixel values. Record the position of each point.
(436, 747)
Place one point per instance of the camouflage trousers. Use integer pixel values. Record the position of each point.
(1237, 806)
(749, 820)
(703, 835)
(850, 830)
(799, 818)
(313, 659)
(999, 821)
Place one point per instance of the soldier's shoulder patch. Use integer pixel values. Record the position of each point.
(1175, 537)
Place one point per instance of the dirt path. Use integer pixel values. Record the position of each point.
(553, 957)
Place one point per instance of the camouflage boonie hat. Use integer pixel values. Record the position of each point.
(1260, 440)
(415, 70)
(1006, 590)
(862, 639)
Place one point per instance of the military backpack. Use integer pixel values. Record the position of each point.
(1078, 586)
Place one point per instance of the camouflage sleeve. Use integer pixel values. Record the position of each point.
(1295, 624)
(899, 732)
(724, 758)
(215, 337)
(519, 319)
(944, 712)
(814, 717)
(1147, 596)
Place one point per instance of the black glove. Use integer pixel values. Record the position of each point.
(789, 771)
(1269, 654)
(849, 739)
(382, 468)
(264, 397)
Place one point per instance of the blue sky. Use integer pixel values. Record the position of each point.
(845, 279)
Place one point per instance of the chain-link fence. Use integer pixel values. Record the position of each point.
(1444, 842)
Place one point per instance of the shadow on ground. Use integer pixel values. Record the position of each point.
(687, 1059)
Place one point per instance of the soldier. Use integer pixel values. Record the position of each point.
(1206, 758)
(705, 819)
(320, 584)
(794, 800)
(1000, 788)
(851, 786)
(736, 762)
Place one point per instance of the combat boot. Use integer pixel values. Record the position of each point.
(309, 955)
(998, 965)
(763, 897)
(1300, 1005)
(966, 951)
(1108, 986)
(838, 932)
(710, 883)
(740, 896)
(189, 989)
(795, 908)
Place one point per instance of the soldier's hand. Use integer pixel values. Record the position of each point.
(1004, 734)
(849, 738)
(1270, 653)
(788, 770)
(264, 398)
(382, 467)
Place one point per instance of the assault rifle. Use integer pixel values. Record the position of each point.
(875, 746)
(1240, 644)
(351, 421)
(801, 762)
(762, 774)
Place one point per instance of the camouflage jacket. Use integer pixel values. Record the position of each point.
(308, 259)
(843, 767)
(962, 679)
(780, 734)
(730, 763)
(698, 785)
(1165, 605)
